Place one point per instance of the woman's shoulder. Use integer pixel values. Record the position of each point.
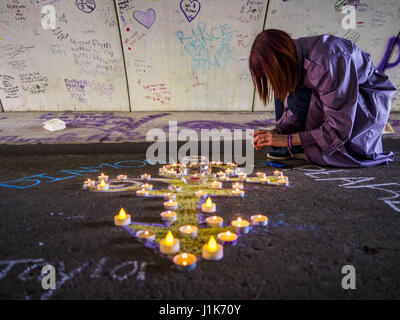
(325, 44)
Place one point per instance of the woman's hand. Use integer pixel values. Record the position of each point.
(265, 138)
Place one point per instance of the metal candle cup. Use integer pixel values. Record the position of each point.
(185, 261)
(102, 185)
(224, 178)
(89, 184)
(237, 185)
(215, 221)
(241, 226)
(189, 231)
(122, 177)
(259, 220)
(261, 175)
(229, 172)
(168, 216)
(227, 238)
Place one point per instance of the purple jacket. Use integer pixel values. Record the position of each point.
(349, 106)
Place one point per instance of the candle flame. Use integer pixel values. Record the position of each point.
(184, 255)
(122, 214)
(212, 245)
(239, 219)
(102, 183)
(214, 218)
(228, 233)
(208, 202)
(169, 239)
(259, 216)
(146, 233)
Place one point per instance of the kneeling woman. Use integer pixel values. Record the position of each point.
(330, 99)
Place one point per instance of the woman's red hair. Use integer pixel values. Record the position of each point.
(273, 64)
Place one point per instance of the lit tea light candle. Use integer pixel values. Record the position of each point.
(240, 225)
(122, 219)
(146, 235)
(169, 245)
(265, 181)
(261, 175)
(224, 178)
(242, 177)
(174, 188)
(215, 221)
(102, 176)
(216, 185)
(168, 216)
(122, 177)
(220, 163)
(213, 163)
(208, 206)
(88, 184)
(231, 165)
(238, 193)
(229, 172)
(284, 182)
(201, 194)
(185, 261)
(212, 250)
(278, 173)
(102, 185)
(142, 192)
(221, 173)
(189, 231)
(227, 238)
(147, 186)
(213, 175)
(145, 177)
(169, 196)
(259, 220)
(195, 177)
(171, 205)
(237, 185)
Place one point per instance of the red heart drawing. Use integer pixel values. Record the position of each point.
(127, 29)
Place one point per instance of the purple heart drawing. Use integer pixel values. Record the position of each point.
(145, 18)
(190, 8)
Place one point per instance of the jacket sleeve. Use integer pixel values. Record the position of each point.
(335, 80)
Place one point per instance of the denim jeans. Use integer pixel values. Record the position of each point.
(298, 103)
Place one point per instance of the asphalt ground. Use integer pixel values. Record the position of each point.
(325, 220)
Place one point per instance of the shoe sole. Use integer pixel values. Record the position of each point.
(295, 156)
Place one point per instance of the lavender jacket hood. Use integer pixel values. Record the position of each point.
(350, 103)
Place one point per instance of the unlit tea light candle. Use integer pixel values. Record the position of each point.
(215, 221)
(240, 225)
(212, 250)
(122, 219)
(189, 231)
(169, 245)
(259, 220)
(168, 216)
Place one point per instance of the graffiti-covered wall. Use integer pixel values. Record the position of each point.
(165, 55)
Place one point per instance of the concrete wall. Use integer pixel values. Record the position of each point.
(164, 55)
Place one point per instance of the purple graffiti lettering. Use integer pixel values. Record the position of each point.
(384, 64)
(190, 8)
